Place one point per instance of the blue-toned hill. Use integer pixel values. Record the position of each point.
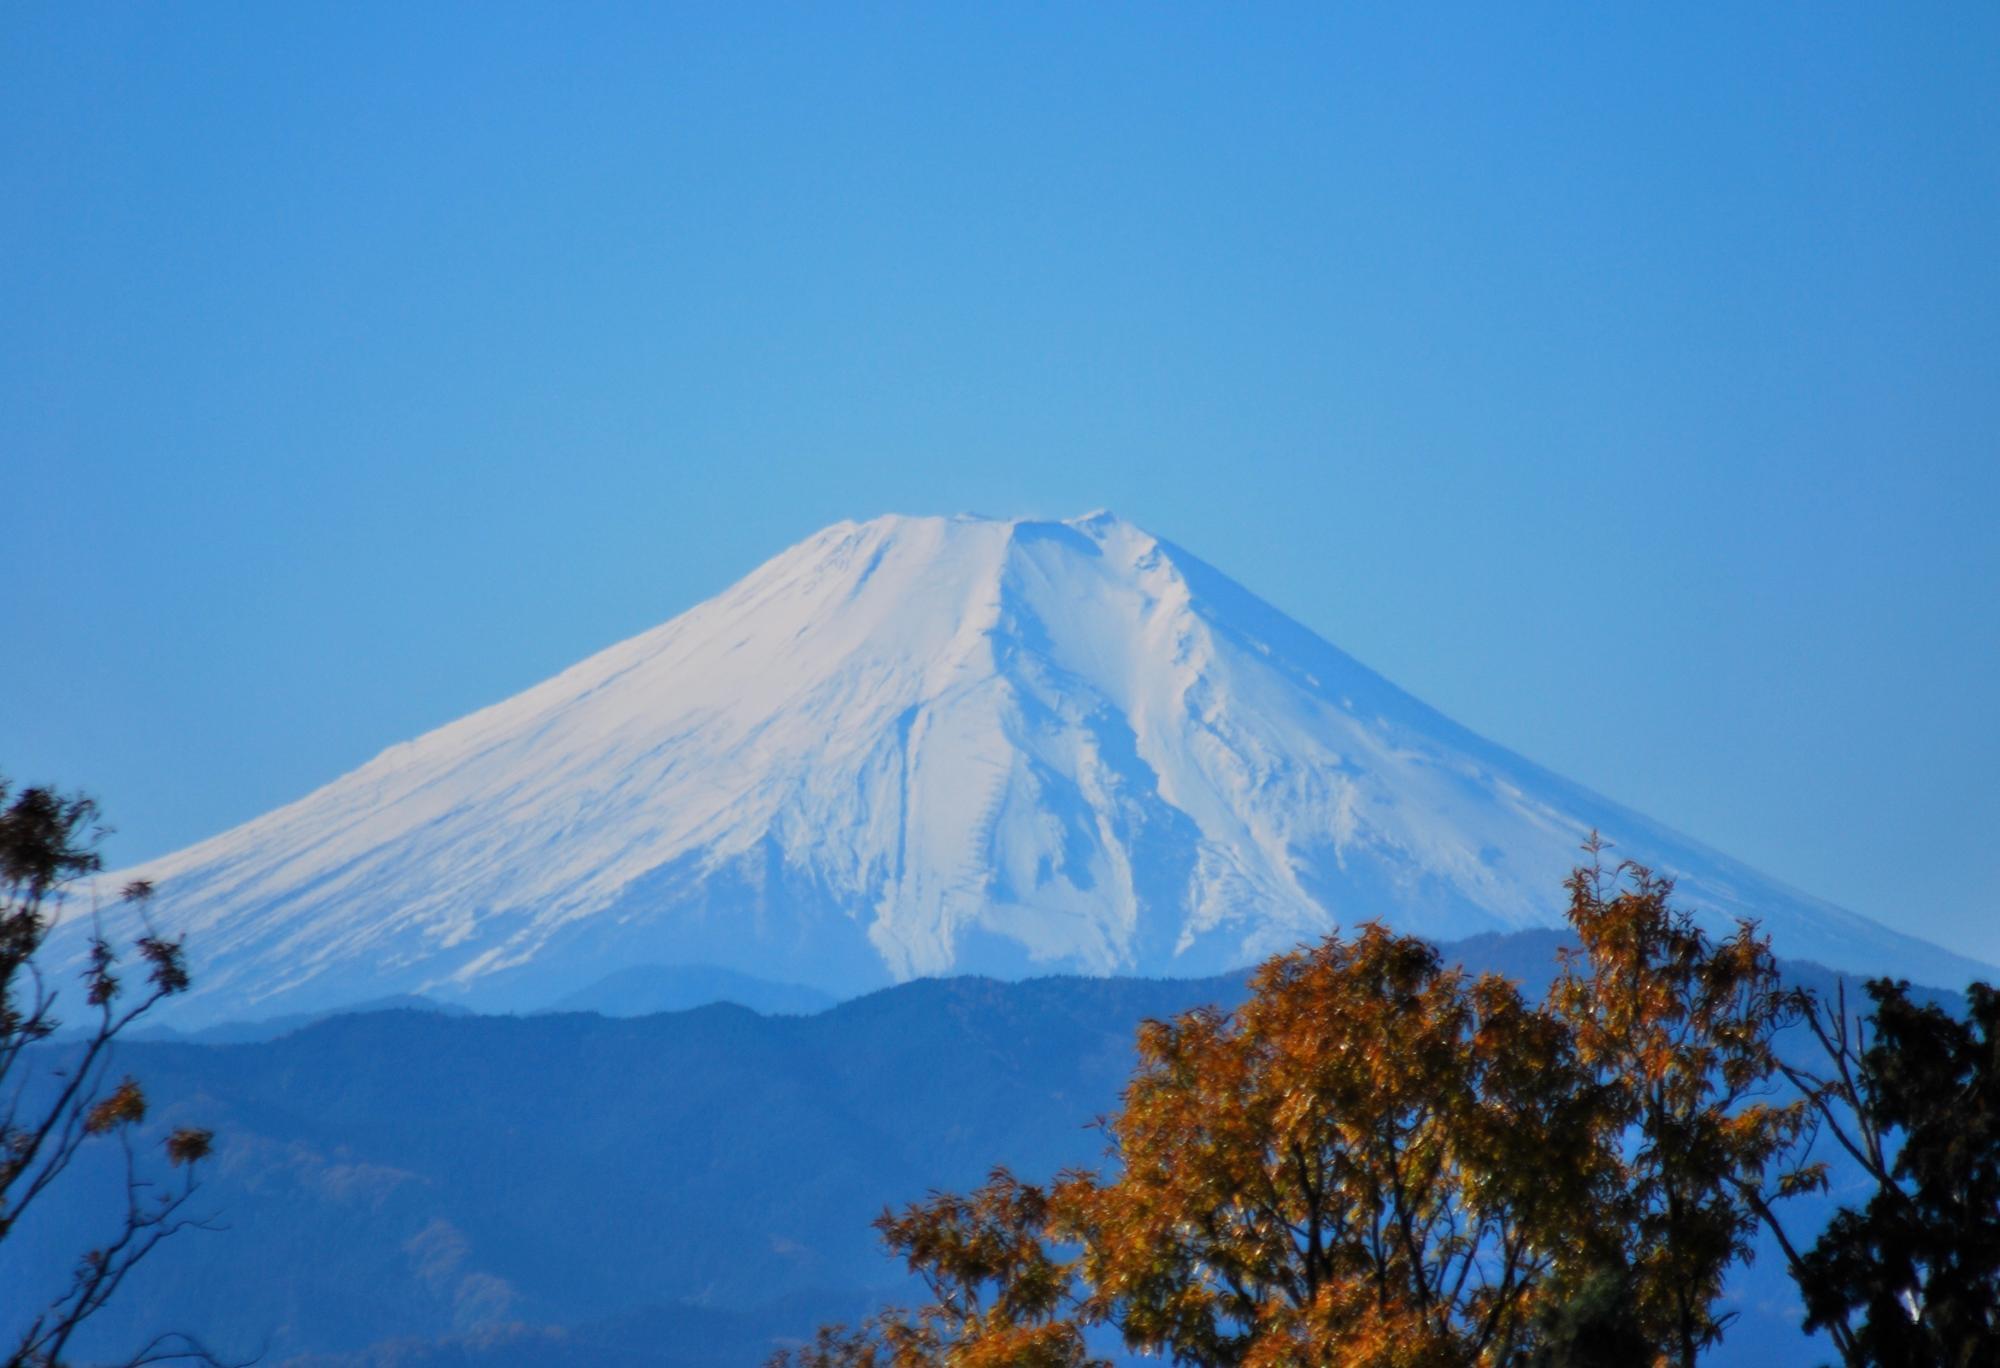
(692, 1188)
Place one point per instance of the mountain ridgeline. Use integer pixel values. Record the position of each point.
(690, 1188)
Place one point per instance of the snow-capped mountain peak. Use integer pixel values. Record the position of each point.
(916, 746)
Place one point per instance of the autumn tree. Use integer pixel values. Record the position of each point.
(1677, 1030)
(56, 1098)
(1380, 1160)
(1376, 1161)
(1910, 1094)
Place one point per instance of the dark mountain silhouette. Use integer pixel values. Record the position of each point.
(416, 1189)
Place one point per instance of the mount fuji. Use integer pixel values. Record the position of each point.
(918, 746)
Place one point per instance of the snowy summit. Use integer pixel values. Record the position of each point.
(922, 746)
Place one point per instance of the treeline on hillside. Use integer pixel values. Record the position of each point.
(1379, 1160)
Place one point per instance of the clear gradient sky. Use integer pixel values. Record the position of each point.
(1626, 385)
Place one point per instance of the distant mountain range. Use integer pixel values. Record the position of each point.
(920, 746)
(406, 1189)
(643, 990)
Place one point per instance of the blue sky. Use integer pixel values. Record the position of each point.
(1625, 385)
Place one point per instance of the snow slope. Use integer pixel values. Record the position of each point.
(916, 746)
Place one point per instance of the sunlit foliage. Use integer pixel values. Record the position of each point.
(1375, 1161)
(1677, 1032)
(1382, 1161)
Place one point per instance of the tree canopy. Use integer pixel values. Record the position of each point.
(1380, 1160)
(1911, 1093)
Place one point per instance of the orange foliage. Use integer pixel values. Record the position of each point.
(125, 1105)
(1383, 1162)
(1677, 1030)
